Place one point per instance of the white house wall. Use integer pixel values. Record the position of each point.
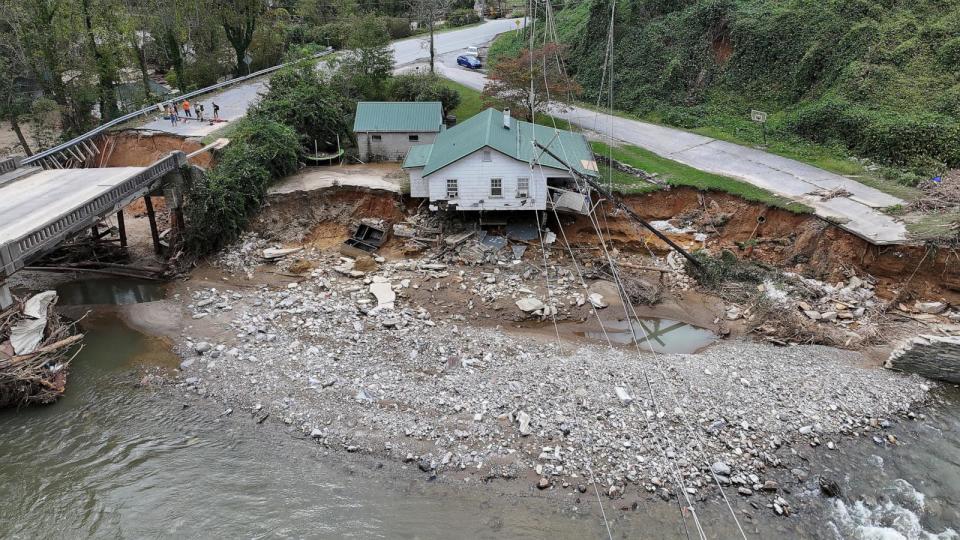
(418, 186)
(473, 179)
(391, 146)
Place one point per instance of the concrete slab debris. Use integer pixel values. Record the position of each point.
(383, 291)
(279, 253)
(530, 305)
(596, 299)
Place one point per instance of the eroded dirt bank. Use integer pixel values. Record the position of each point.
(799, 243)
(134, 148)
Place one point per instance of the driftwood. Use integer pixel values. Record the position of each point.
(39, 376)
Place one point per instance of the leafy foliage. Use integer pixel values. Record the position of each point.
(425, 87)
(462, 17)
(880, 78)
(362, 73)
(508, 84)
(298, 97)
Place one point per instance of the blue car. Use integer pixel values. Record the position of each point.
(470, 62)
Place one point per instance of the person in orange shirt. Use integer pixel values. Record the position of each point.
(186, 109)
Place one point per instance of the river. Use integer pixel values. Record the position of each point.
(112, 459)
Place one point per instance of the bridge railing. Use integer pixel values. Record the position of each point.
(64, 149)
(9, 164)
(16, 253)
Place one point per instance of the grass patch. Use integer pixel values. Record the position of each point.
(225, 131)
(934, 226)
(470, 103)
(677, 174)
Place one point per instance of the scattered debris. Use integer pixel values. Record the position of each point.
(34, 352)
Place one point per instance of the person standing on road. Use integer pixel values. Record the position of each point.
(200, 112)
(216, 111)
(186, 109)
(172, 114)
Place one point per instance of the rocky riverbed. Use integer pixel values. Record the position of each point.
(364, 361)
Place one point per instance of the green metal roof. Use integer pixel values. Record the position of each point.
(398, 116)
(486, 130)
(418, 155)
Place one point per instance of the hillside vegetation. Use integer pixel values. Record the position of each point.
(875, 78)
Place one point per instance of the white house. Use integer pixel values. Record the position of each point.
(490, 162)
(386, 130)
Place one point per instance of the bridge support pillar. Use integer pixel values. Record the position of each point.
(173, 192)
(152, 218)
(122, 229)
(6, 299)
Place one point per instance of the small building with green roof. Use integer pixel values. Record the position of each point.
(386, 130)
(491, 162)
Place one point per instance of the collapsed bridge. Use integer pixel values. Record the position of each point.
(40, 209)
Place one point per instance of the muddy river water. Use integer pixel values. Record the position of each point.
(112, 459)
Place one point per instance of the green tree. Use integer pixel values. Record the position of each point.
(101, 28)
(14, 100)
(240, 18)
(364, 70)
(298, 97)
(425, 87)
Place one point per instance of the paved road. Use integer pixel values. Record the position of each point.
(859, 213)
(235, 101)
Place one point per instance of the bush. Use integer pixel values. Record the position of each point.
(948, 55)
(898, 139)
(462, 17)
(397, 27)
(301, 99)
(829, 119)
(334, 34)
(426, 87)
(903, 140)
(219, 204)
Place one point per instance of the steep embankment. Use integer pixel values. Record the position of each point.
(880, 78)
(800, 243)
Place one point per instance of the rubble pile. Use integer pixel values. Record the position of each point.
(348, 359)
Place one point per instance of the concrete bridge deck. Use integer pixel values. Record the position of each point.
(40, 209)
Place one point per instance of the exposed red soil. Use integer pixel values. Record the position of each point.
(800, 243)
(139, 148)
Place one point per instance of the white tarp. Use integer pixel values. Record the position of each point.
(26, 335)
(38, 304)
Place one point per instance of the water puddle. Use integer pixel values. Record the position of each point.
(654, 334)
(110, 291)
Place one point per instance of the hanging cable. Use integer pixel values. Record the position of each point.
(677, 477)
(701, 447)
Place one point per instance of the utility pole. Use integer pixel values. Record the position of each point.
(432, 17)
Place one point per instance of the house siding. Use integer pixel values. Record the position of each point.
(419, 187)
(473, 180)
(391, 146)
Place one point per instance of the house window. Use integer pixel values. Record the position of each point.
(523, 188)
(487, 156)
(496, 187)
(452, 191)
(375, 137)
(413, 138)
